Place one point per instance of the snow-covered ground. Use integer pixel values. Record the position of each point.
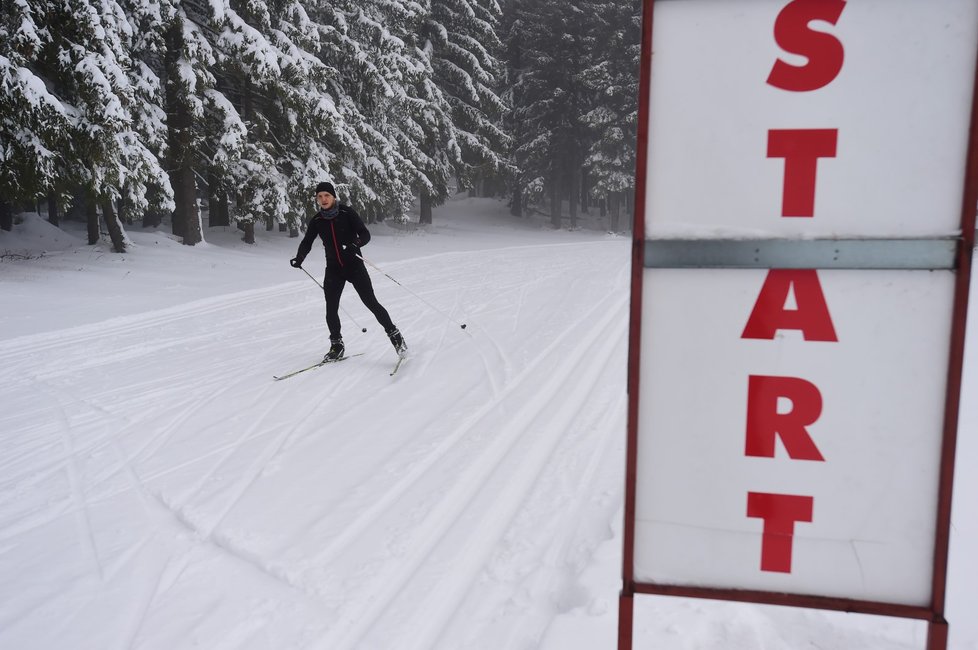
(159, 491)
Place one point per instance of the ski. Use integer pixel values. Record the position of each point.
(315, 365)
(397, 365)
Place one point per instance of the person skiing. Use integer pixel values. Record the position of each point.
(343, 234)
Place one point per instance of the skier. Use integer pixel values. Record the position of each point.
(343, 233)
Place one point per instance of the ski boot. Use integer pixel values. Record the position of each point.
(336, 350)
(398, 342)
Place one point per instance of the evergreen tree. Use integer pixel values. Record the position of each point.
(464, 48)
(188, 58)
(424, 119)
(385, 31)
(248, 68)
(130, 106)
(305, 124)
(548, 101)
(613, 78)
(265, 71)
(34, 123)
(367, 47)
(572, 83)
(73, 123)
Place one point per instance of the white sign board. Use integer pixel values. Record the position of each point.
(897, 110)
(876, 400)
(791, 420)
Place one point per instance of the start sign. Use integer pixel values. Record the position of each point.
(806, 194)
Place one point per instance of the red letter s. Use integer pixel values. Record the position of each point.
(823, 51)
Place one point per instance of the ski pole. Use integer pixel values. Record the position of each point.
(345, 313)
(462, 325)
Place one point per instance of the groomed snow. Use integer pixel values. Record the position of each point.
(159, 491)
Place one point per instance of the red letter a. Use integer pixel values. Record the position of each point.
(764, 422)
(811, 316)
(779, 512)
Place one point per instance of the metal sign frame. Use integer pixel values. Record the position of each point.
(946, 253)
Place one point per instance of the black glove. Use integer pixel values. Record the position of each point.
(296, 264)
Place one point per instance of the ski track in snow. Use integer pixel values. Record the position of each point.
(366, 511)
(440, 519)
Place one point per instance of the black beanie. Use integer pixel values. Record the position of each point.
(325, 187)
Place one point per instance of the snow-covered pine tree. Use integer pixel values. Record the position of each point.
(348, 90)
(305, 125)
(144, 184)
(149, 196)
(402, 131)
(247, 70)
(615, 50)
(548, 100)
(465, 50)
(188, 59)
(84, 100)
(511, 24)
(34, 123)
(421, 120)
(89, 57)
(262, 98)
(266, 69)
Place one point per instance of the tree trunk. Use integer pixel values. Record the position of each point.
(554, 203)
(223, 209)
(249, 232)
(114, 226)
(186, 216)
(615, 199)
(6, 216)
(91, 214)
(217, 204)
(269, 224)
(629, 200)
(151, 217)
(575, 195)
(76, 209)
(425, 208)
(516, 207)
(53, 218)
(123, 212)
(211, 200)
(585, 193)
(222, 215)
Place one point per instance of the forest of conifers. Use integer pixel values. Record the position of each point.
(122, 111)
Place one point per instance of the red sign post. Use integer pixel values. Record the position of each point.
(805, 217)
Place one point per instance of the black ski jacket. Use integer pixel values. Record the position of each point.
(342, 236)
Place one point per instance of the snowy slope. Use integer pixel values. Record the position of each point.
(159, 491)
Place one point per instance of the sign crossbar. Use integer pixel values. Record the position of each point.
(849, 254)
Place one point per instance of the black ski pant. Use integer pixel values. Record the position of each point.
(356, 274)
